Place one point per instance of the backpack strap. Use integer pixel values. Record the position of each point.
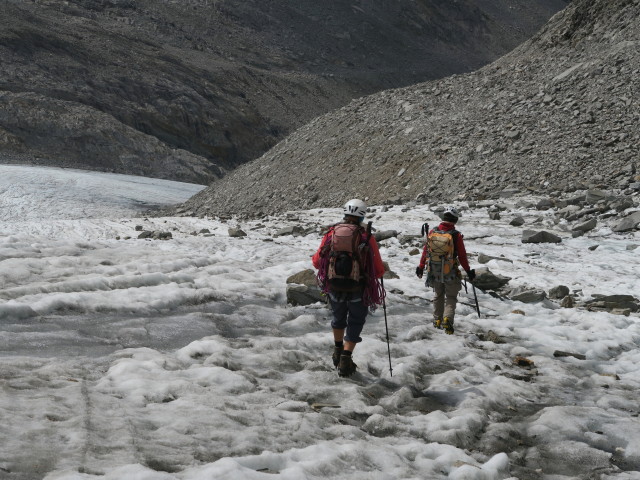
(454, 235)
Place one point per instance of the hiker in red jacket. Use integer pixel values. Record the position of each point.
(443, 251)
(349, 268)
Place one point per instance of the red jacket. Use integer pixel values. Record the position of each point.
(459, 250)
(378, 266)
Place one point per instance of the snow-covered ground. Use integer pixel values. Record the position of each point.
(179, 359)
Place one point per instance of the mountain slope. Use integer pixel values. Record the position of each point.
(560, 110)
(189, 90)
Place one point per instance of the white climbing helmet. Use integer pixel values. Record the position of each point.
(452, 211)
(355, 208)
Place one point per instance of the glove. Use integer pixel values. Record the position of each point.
(471, 274)
(419, 272)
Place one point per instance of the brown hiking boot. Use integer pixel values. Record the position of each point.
(447, 324)
(346, 367)
(337, 351)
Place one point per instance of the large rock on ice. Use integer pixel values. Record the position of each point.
(531, 236)
(528, 295)
(485, 280)
(610, 303)
(628, 223)
(302, 289)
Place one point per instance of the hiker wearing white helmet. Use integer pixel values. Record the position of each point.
(349, 268)
(443, 252)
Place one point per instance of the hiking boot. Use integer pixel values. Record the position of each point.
(346, 367)
(447, 324)
(437, 323)
(337, 351)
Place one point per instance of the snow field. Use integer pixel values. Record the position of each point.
(179, 359)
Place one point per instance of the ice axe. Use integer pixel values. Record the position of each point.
(475, 295)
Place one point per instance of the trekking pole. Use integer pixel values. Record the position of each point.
(476, 298)
(384, 307)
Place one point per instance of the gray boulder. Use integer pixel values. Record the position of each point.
(544, 204)
(527, 295)
(559, 292)
(158, 235)
(303, 295)
(532, 236)
(608, 303)
(486, 280)
(621, 204)
(304, 277)
(388, 273)
(585, 226)
(594, 196)
(405, 239)
(302, 289)
(628, 223)
(236, 232)
(527, 204)
(155, 235)
(568, 211)
(575, 200)
(379, 236)
(482, 259)
(517, 221)
(294, 230)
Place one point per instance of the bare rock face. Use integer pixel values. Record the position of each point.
(189, 90)
(558, 113)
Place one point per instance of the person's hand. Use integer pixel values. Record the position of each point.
(471, 274)
(419, 272)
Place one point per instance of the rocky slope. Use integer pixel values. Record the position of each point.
(558, 113)
(187, 90)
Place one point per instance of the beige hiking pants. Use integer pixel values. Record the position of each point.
(445, 299)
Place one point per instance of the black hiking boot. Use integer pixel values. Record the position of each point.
(337, 351)
(447, 324)
(437, 323)
(346, 367)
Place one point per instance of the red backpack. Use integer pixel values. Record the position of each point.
(346, 269)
